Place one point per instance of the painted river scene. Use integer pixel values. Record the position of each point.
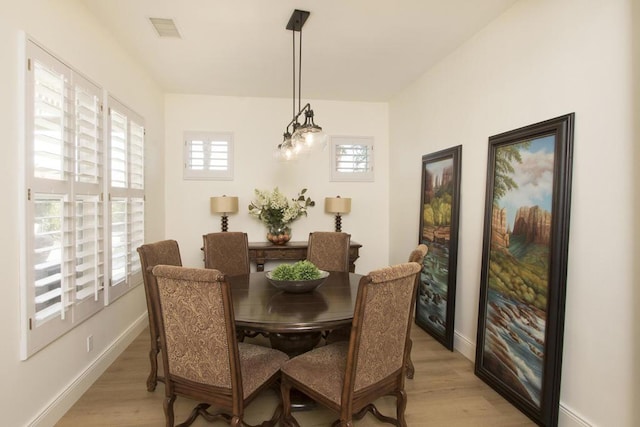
(518, 271)
(438, 190)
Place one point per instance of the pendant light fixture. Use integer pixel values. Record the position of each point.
(305, 137)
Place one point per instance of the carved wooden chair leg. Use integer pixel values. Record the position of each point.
(152, 380)
(411, 370)
(168, 410)
(287, 420)
(401, 407)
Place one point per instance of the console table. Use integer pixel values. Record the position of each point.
(260, 252)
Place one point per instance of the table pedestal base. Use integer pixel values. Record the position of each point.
(295, 344)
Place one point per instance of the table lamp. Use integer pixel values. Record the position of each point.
(337, 205)
(224, 205)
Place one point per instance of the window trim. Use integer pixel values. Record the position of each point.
(206, 174)
(353, 176)
(66, 159)
(68, 188)
(133, 274)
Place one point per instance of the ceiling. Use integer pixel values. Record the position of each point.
(353, 50)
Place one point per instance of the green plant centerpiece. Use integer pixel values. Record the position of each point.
(277, 212)
(303, 276)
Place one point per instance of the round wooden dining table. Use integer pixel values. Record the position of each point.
(293, 322)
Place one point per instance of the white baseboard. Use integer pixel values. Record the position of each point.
(464, 346)
(66, 399)
(566, 418)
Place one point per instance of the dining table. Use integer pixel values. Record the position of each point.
(293, 322)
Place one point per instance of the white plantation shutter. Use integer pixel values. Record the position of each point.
(63, 213)
(208, 155)
(118, 240)
(118, 140)
(136, 156)
(89, 250)
(352, 158)
(126, 195)
(136, 233)
(88, 136)
(50, 98)
(48, 258)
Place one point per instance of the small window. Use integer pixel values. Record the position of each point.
(208, 155)
(351, 158)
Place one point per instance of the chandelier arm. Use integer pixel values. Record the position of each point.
(300, 70)
(307, 107)
(293, 100)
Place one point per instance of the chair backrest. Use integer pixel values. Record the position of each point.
(197, 328)
(380, 328)
(227, 252)
(418, 254)
(329, 250)
(164, 252)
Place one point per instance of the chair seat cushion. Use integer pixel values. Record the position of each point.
(321, 369)
(257, 364)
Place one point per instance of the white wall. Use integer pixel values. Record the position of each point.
(39, 387)
(542, 59)
(257, 125)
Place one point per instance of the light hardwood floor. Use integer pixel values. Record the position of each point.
(444, 392)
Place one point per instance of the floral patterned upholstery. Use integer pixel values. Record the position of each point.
(418, 254)
(227, 252)
(164, 252)
(348, 376)
(201, 352)
(329, 250)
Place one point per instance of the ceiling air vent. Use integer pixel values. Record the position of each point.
(165, 27)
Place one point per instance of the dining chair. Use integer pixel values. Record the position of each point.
(203, 360)
(329, 250)
(227, 252)
(348, 377)
(151, 254)
(416, 255)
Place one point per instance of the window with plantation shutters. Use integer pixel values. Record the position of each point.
(83, 199)
(352, 158)
(126, 197)
(63, 226)
(208, 155)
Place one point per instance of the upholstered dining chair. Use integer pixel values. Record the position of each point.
(163, 252)
(329, 250)
(202, 359)
(227, 252)
(416, 255)
(348, 377)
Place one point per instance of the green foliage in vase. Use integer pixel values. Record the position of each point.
(301, 270)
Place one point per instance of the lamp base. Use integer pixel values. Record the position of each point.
(338, 223)
(225, 222)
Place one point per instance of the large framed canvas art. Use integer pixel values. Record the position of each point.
(439, 213)
(524, 265)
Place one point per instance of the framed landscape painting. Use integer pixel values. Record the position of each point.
(524, 266)
(439, 214)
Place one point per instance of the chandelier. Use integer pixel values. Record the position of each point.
(305, 137)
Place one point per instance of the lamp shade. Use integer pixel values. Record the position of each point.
(224, 204)
(337, 204)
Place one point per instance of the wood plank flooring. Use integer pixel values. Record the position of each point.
(444, 392)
